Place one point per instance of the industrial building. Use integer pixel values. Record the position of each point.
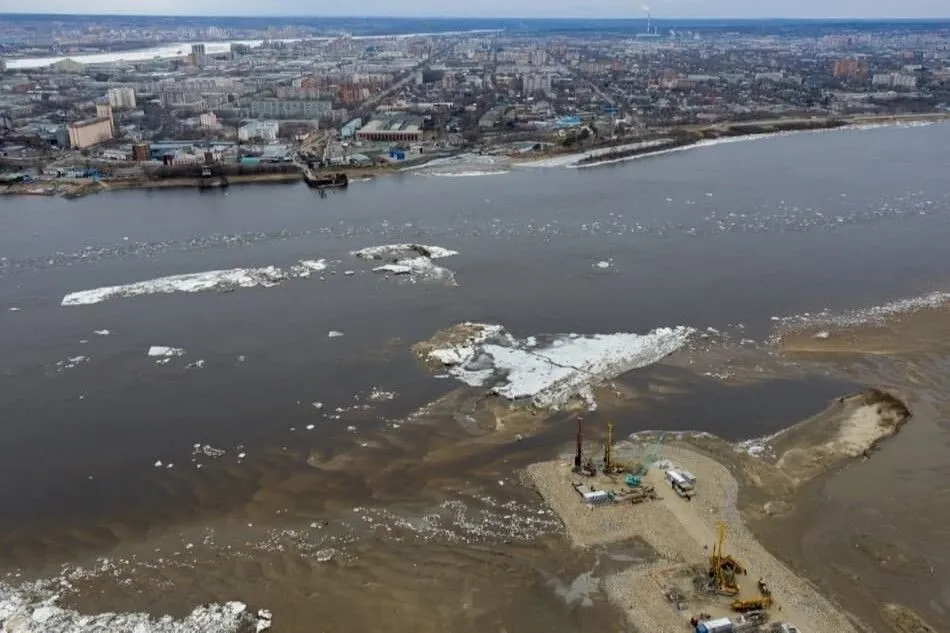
(349, 130)
(392, 129)
(264, 130)
(141, 152)
(121, 98)
(290, 108)
(83, 134)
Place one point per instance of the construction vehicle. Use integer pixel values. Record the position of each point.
(759, 603)
(611, 467)
(650, 457)
(723, 569)
(582, 465)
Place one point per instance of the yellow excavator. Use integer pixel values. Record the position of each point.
(760, 602)
(723, 569)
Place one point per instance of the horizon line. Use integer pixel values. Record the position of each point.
(479, 17)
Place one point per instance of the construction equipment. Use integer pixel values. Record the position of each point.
(723, 568)
(611, 467)
(758, 603)
(582, 466)
(651, 456)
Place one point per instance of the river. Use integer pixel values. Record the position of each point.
(727, 237)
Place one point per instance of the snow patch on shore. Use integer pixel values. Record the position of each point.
(413, 260)
(549, 374)
(32, 609)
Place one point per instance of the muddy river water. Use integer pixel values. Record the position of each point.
(293, 470)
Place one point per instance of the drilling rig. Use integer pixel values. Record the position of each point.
(582, 465)
(723, 568)
(611, 467)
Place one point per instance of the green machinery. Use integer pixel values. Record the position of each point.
(650, 457)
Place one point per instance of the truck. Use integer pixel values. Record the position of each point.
(719, 625)
(681, 481)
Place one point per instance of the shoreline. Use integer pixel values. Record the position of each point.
(661, 141)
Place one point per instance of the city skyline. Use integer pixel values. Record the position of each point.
(670, 9)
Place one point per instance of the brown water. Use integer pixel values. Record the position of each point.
(425, 518)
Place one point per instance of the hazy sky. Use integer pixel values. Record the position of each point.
(500, 8)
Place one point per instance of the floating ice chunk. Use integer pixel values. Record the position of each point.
(14, 309)
(378, 394)
(310, 427)
(324, 555)
(158, 464)
(317, 405)
(162, 350)
(824, 334)
(334, 334)
(603, 264)
(403, 251)
(395, 269)
(314, 264)
(349, 273)
(189, 282)
(414, 260)
(198, 364)
(566, 367)
(102, 332)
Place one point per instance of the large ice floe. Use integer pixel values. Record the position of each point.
(198, 282)
(547, 371)
(412, 260)
(34, 610)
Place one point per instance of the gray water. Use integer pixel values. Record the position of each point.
(751, 229)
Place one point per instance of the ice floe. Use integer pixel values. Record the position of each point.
(221, 280)
(69, 363)
(552, 372)
(190, 282)
(402, 251)
(334, 334)
(413, 260)
(34, 609)
(164, 351)
(102, 332)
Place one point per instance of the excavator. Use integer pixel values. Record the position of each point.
(759, 603)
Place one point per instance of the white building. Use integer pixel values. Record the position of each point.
(895, 80)
(266, 130)
(208, 119)
(122, 97)
(536, 82)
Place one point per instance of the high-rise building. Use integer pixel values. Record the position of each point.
(850, 69)
(198, 55)
(83, 134)
(120, 98)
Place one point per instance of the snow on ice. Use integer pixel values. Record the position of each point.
(414, 260)
(229, 279)
(549, 374)
(33, 609)
(163, 351)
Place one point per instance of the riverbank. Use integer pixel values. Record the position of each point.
(657, 142)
